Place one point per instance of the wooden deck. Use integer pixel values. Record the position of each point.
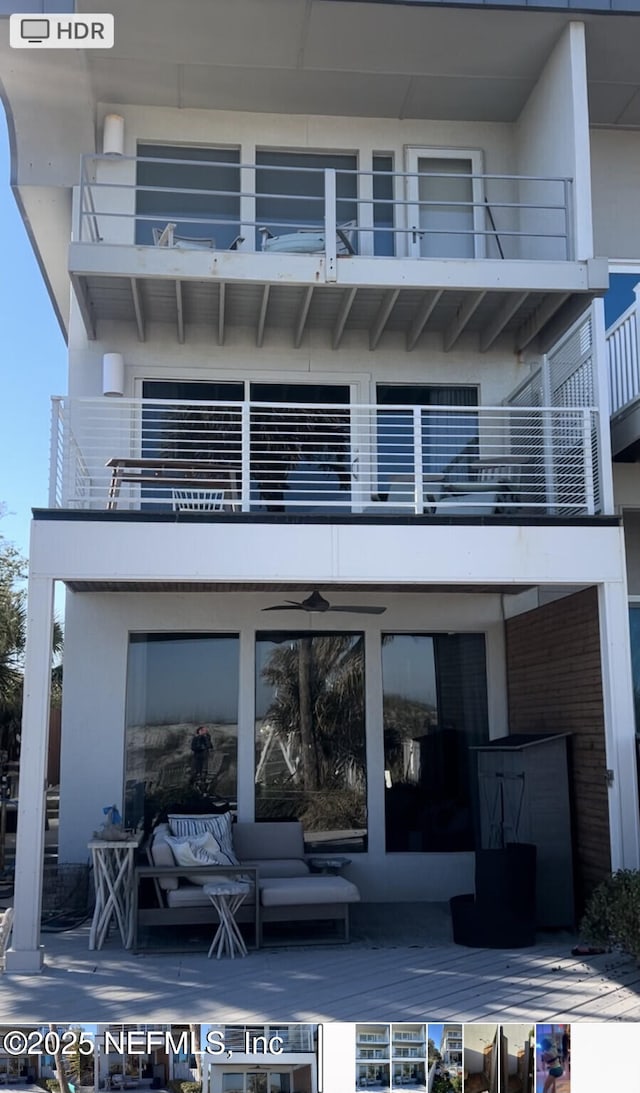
(436, 982)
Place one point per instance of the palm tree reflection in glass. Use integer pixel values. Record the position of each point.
(310, 762)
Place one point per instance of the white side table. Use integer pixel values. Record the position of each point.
(113, 874)
(226, 896)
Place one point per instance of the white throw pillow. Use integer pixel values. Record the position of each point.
(202, 849)
(218, 824)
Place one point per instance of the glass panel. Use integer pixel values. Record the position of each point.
(310, 736)
(435, 708)
(289, 200)
(168, 193)
(447, 221)
(257, 1083)
(192, 431)
(448, 439)
(177, 683)
(300, 459)
(233, 1083)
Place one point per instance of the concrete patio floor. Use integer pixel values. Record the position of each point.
(402, 975)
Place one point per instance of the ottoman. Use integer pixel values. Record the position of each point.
(310, 897)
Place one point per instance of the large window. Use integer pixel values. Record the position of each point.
(300, 459)
(176, 684)
(435, 708)
(197, 189)
(290, 188)
(310, 736)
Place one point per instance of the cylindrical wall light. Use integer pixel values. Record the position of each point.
(113, 135)
(113, 374)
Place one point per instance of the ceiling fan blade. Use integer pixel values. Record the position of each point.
(359, 610)
(286, 607)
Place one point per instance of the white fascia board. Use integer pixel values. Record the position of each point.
(325, 554)
(123, 260)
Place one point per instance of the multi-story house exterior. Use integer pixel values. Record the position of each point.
(451, 1047)
(336, 348)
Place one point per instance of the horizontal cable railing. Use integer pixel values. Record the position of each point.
(623, 347)
(291, 209)
(176, 456)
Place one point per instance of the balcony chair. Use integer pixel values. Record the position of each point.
(191, 500)
(166, 237)
(309, 240)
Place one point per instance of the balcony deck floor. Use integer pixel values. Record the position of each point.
(401, 966)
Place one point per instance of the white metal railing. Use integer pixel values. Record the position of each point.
(623, 347)
(171, 455)
(280, 208)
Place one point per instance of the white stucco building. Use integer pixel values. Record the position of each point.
(337, 267)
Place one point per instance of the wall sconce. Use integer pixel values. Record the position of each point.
(113, 135)
(113, 374)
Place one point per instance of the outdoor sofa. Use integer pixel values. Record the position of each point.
(270, 856)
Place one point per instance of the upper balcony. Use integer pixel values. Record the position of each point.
(306, 241)
(437, 454)
(215, 459)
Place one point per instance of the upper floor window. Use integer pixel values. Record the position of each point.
(195, 189)
(290, 189)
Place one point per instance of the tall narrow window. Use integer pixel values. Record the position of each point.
(435, 708)
(383, 205)
(310, 736)
(178, 684)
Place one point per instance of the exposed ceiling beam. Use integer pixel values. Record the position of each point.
(222, 292)
(302, 317)
(384, 311)
(262, 317)
(82, 296)
(422, 316)
(461, 318)
(179, 312)
(501, 316)
(540, 317)
(343, 314)
(138, 309)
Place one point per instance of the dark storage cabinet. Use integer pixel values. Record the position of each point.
(523, 797)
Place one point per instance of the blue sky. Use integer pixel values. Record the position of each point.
(33, 367)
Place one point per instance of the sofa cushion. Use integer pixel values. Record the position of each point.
(162, 854)
(268, 840)
(293, 891)
(218, 824)
(278, 867)
(187, 895)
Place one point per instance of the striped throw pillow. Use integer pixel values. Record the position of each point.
(218, 824)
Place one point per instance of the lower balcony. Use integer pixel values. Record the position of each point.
(229, 460)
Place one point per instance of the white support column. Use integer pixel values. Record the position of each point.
(25, 954)
(619, 724)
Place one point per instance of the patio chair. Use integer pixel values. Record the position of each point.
(166, 237)
(192, 500)
(309, 240)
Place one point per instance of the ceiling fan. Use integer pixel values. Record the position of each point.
(316, 602)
